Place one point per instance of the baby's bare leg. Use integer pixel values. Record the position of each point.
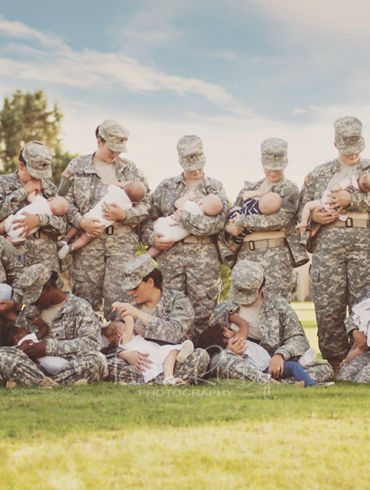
(169, 364)
(234, 247)
(2, 227)
(309, 206)
(153, 252)
(82, 241)
(72, 232)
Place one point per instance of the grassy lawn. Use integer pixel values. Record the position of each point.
(214, 436)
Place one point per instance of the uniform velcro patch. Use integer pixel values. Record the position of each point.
(66, 174)
(308, 178)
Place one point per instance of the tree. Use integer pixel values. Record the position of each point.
(26, 118)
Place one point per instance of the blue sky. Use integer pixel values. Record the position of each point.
(234, 72)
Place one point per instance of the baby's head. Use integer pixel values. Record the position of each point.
(214, 336)
(135, 191)
(269, 203)
(211, 205)
(58, 206)
(113, 332)
(12, 335)
(364, 183)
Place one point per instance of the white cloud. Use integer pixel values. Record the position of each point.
(300, 111)
(93, 69)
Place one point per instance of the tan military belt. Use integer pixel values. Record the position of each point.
(199, 239)
(263, 235)
(266, 243)
(44, 236)
(117, 230)
(350, 223)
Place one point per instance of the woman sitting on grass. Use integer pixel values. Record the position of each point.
(220, 336)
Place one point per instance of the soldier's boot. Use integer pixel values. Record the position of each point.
(335, 364)
(81, 382)
(48, 382)
(10, 385)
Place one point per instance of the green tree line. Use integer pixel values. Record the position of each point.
(27, 117)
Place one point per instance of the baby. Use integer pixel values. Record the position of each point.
(163, 357)
(268, 203)
(210, 205)
(218, 335)
(123, 195)
(362, 184)
(57, 206)
(17, 336)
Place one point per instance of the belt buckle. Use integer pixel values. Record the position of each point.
(347, 223)
(252, 245)
(37, 234)
(110, 230)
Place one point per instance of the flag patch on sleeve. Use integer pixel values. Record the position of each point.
(66, 174)
(308, 178)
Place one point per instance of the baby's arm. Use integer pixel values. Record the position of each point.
(242, 324)
(252, 194)
(129, 328)
(189, 196)
(308, 207)
(43, 328)
(355, 351)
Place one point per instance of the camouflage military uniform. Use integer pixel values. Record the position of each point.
(282, 333)
(172, 322)
(277, 262)
(10, 269)
(193, 268)
(76, 337)
(36, 249)
(97, 267)
(340, 263)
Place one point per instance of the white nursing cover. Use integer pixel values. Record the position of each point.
(38, 206)
(361, 317)
(175, 233)
(115, 195)
(51, 364)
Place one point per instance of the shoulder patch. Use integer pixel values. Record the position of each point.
(66, 174)
(308, 178)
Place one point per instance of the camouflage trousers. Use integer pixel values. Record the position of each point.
(357, 370)
(194, 269)
(193, 368)
(18, 367)
(277, 266)
(339, 277)
(97, 270)
(228, 365)
(41, 251)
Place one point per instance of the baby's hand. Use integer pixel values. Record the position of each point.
(38, 323)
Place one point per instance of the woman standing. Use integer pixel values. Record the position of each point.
(274, 242)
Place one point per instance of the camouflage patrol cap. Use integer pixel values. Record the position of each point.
(191, 153)
(115, 135)
(348, 135)
(32, 282)
(246, 280)
(274, 154)
(135, 271)
(38, 158)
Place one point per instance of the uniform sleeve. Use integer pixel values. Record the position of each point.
(10, 204)
(276, 221)
(360, 202)
(200, 225)
(155, 212)
(222, 313)
(178, 326)
(294, 340)
(66, 189)
(88, 336)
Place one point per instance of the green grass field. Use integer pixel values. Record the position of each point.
(213, 436)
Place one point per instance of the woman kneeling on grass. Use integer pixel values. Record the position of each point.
(162, 316)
